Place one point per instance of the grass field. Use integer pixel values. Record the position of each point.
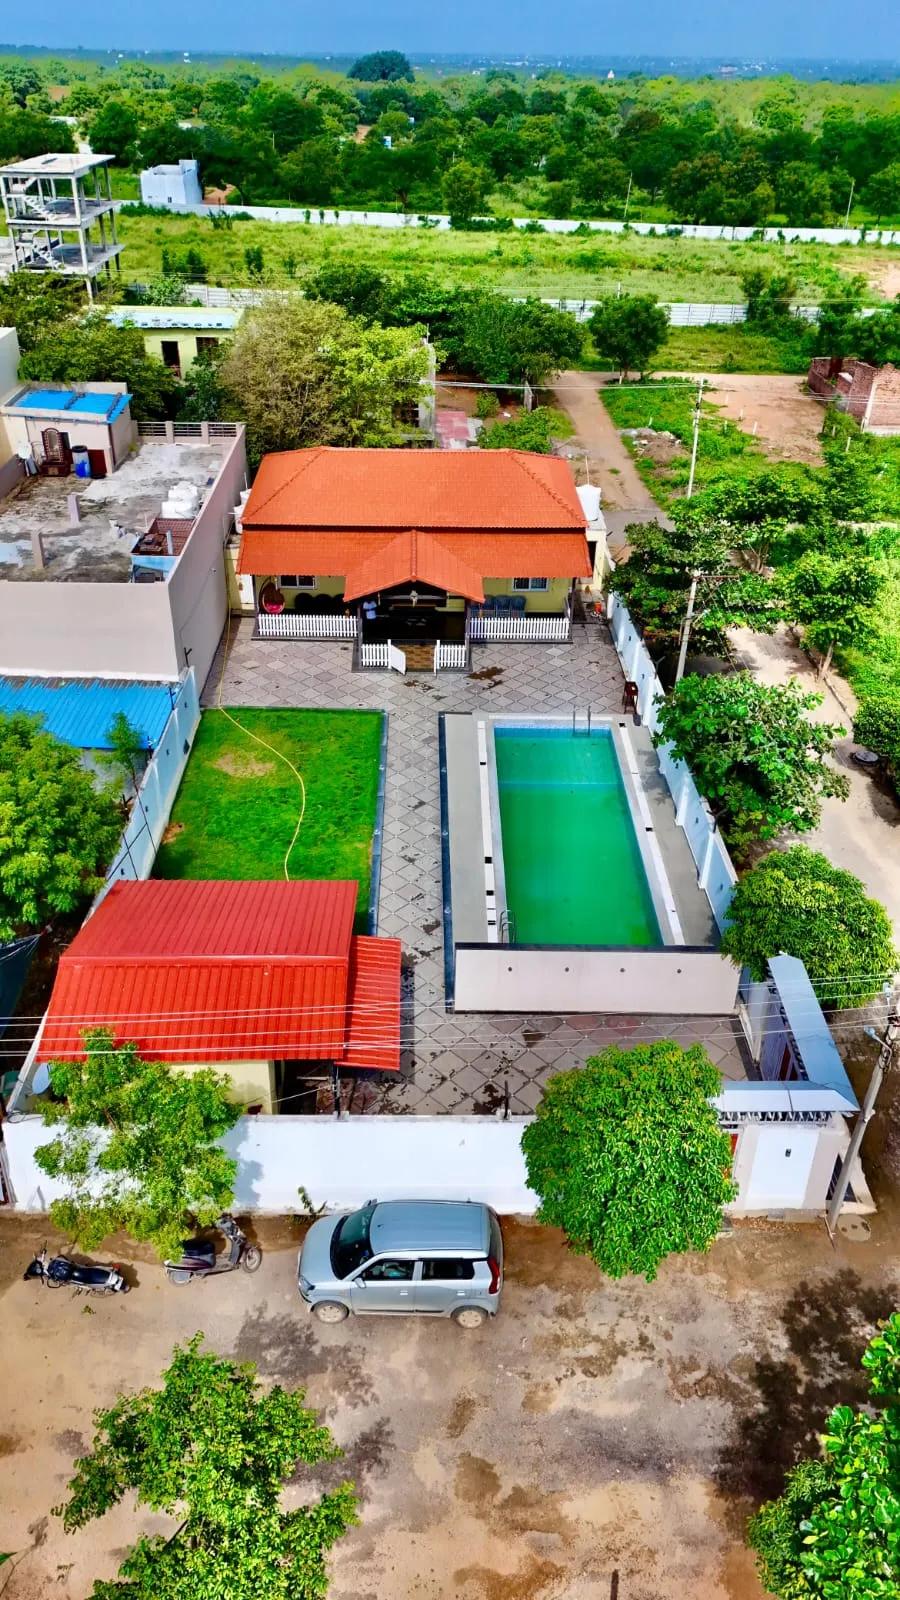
(730, 349)
(668, 408)
(237, 806)
(557, 265)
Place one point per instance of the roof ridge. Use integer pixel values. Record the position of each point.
(307, 454)
(521, 457)
(151, 960)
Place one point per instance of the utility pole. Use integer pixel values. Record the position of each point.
(849, 203)
(883, 1064)
(686, 628)
(627, 198)
(696, 438)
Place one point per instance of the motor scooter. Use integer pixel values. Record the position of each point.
(59, 1271)
(199, 1258)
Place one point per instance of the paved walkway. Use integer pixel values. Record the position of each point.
(861, 833)
(455, 1062)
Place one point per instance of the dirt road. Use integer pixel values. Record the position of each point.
(596, 1428)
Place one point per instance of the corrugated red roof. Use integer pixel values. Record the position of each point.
(399, 489)
(491, 555)
(414, 557)
(220, 971)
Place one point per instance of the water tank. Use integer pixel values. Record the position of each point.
(81, 461)
(589, 495)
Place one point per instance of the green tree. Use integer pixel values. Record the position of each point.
(535, 430)
(127, 750)
(832, 597)
(302, 372)
(755, 753)
(505, 341)
(137, 1145)
(882, 192)
(95, 350)
(655, 580)
(359, 289)
(627, 1158)
(213, 1450)
(769, 296)
(381, 66)
(465, 192)
(114, 131)
(36, 304)
(834, 1534)
(877, 726)
(201, 390)
(628, 331)
(57, 832)
(794, 902)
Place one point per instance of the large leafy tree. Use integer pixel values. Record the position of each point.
(36, 303)
(758, 757)
(212, 1450)
(629, 330)
(627, 1157)
(795, 902)
(832, 597)
(655, 580)
(114, 130)
(505, 341)
(381, 66)
(465, 191)
(834, 1534)
(96, 350)
(57, 830)
(305, 372)
(136, 1145)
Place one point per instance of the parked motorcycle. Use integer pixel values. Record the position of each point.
(199, 1259)
(59, 1271)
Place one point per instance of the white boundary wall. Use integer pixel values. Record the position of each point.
(136, 850)
(716, 874)
(348, 1161)
(327, 216)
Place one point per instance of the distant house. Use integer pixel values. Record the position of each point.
(265, 982)
(870, 394)
(177, 184)
(421, 550)
(177, 335)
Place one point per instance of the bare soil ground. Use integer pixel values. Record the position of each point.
(787, 420)
(596, 1431)
(883, 276)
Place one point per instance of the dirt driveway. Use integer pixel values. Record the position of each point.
(594, 1430)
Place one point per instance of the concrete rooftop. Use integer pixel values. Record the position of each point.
(93, 552)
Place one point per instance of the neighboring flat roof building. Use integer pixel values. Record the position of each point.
(177, 335)
(176, 183)
(61, 215)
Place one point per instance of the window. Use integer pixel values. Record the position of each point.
(454, 1270)
(350, 1245)
(297, 580)
(530, 583)
(206, 344)
(389, 1272)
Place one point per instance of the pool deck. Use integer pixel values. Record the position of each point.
(454, 1062)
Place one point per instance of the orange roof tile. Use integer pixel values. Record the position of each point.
(398, 489)
(414, 558)
(490, 555)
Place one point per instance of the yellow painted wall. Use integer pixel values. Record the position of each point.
(252, 1082)
(550, 600)
(185, 338)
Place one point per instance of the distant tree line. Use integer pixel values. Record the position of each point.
(554, 145)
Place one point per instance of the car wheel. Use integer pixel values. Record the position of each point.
(469, 1316)
(330, 1311)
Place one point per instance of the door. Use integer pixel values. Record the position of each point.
(782, 1162)
(171, 355)
(384, 1285)
(396, 658)
(97, 459)
(442, 1282)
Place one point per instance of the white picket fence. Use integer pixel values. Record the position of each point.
(304, 625)
(484, 626)
(449, 656)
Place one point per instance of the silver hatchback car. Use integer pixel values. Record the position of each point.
(434, 1258)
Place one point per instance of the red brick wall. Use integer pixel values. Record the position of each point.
(885, 413)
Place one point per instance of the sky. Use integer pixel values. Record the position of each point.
(812, 29)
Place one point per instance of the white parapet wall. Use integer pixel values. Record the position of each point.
(674, 982)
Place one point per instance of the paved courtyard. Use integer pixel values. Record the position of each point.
(454, 1062)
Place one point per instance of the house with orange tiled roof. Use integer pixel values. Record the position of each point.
(413, 554)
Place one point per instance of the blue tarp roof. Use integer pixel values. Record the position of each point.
(80, 712)
(96, 403)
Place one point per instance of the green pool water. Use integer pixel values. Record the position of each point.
(573, 870)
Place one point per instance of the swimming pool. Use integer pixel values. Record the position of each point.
(571, 863)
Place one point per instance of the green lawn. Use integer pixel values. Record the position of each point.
(238, 804)
(567, 266)
(731, 349)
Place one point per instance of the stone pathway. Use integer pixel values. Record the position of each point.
(455, 1062)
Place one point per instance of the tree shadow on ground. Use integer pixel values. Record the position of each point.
(827, 1325)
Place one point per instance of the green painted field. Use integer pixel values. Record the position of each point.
(558, 265)
(237, 806)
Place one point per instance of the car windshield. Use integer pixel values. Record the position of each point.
(350, 1244)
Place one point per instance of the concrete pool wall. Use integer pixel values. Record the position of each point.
(486, 971)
